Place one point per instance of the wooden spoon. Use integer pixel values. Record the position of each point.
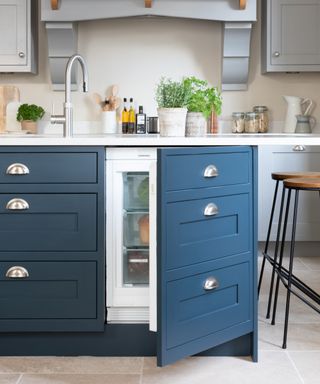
(98, 100)
(114, 90)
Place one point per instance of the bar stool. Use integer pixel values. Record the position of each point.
(290, 281)
(277, 176)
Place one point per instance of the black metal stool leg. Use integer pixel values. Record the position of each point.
(268, 235)
(275, 259)
(293, 236)
(275, 303)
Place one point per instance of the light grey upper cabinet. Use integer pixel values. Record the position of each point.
(290, 35)
(18, 38)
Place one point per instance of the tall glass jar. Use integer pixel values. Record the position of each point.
(238, 122)
(264, 117)
(252, 122)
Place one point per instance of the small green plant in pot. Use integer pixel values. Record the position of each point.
(28, 115)
(203, 103)
(172, 99)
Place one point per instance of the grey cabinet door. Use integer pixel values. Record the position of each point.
(295, 32)
(290, 36)
(287, 158)
(13, 32)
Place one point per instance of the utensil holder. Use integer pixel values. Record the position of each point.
(109, 121)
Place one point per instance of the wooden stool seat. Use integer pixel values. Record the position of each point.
(290, 175)
(302, 183)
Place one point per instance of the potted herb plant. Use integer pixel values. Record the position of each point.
(172, 98)
(203, 102)
(28, 115)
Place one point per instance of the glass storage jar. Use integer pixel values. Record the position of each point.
(264, 117)
(238, 122)
(252, 122)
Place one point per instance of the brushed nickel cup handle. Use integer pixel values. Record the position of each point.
(210, 284)
(211, 171)
(211, 210)
(17, 169)
(299, 148)
(17, 272)
(17, 204)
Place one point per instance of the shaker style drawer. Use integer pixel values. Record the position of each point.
(208, 303)
(48, 168)
(48, 222)
(47, 290)
(207, 229)
(193, 171)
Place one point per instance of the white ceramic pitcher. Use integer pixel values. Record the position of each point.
(294, 108)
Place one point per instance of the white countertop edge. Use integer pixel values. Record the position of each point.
(158, 141)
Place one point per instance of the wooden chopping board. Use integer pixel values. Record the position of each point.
(8, 93)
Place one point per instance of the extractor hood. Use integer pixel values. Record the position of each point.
(61, 18)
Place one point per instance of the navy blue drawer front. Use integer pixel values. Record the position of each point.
(194, 311)
(53, 290)
(186, 171)
(193, 237)
(49, 167)
(53, 222)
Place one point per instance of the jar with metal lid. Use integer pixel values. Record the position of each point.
(237, 122)
(252, 122)
(264, 117)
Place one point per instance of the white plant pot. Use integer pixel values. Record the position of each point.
(172, 121)
(109, 121)
(196, 124)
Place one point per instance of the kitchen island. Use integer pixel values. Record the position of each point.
(234, 189)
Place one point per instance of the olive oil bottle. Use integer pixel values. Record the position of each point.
(132, 117)
(125, 117)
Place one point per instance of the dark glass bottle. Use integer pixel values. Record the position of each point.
(141, 121)
(125, 117)
(132, 117)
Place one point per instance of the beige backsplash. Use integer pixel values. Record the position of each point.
(134, 53)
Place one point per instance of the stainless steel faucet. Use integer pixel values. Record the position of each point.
(67, 118)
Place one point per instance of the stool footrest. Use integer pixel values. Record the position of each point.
(283, 273)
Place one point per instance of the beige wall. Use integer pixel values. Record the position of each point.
(134, 53)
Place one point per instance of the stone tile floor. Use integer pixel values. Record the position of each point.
(300, 363)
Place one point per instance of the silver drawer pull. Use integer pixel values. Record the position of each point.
(144, 261)
(211, 210)
(211, 171)
(299, 148)
(17, 169)
(210, 284)
(17, 272)
(17, 205)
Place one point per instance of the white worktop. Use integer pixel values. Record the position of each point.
(157, 141)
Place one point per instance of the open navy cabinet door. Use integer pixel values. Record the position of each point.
(206, 241)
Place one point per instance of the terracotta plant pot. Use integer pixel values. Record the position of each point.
(29, 125)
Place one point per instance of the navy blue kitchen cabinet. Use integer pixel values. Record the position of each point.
(52, 247)
(206, 249)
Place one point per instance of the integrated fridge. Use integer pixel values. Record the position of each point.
(131, 235)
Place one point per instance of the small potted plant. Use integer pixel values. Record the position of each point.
(203, 102)
(172, 98)
(28, 115)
